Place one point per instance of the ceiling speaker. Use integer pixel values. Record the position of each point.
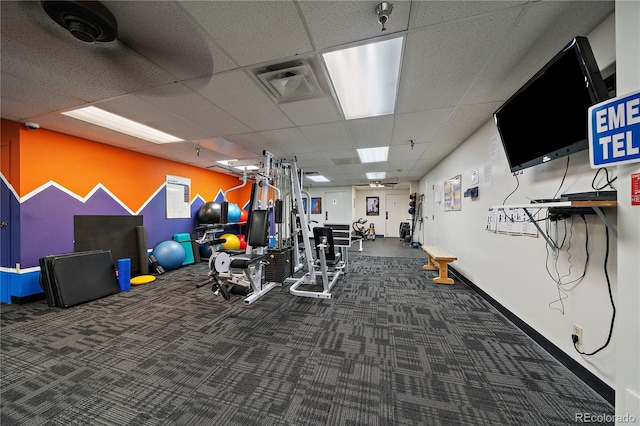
(88, 21)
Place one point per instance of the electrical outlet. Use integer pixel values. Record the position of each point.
(577, 331)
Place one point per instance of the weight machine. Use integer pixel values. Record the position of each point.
(328, 265)
(359, 231)
(282, 178)
(251, 281)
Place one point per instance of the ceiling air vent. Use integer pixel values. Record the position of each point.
(291, 81)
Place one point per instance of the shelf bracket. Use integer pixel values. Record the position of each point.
(606, 221)
(550, 242)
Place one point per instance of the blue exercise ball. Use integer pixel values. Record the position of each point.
(233, 213)
(170, 254)
(205, 250)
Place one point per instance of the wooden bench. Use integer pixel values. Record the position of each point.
(438, 261)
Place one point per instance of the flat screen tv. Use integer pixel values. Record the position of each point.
(547, 117)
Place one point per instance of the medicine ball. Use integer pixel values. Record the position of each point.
(232, 243)
(412, 210)
(234, 213)
(244, 216)
(209, 212)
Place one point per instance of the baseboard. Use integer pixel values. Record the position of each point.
(23, 300)
(590, 379)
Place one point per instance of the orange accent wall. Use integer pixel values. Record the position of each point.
(10, 152)
(79, 165)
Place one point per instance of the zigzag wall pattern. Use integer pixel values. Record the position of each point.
(46, 179)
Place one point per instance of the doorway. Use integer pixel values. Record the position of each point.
(336, 208)
(396, 206)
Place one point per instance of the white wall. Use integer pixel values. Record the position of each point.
(513, 270)
(358, 206)
(628, 316)
(320, 192)
(379, 221)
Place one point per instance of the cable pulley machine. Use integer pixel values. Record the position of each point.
(320, 268)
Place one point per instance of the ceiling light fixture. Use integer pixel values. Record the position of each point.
(120, 124)
(373, 155)
(317, 178)
(365, 78)
(376, 175)
(233, 163)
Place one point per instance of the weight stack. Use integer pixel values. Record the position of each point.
(279, 267)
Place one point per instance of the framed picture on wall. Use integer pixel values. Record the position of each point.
(316, 205)
(452, 194)
(373, 206)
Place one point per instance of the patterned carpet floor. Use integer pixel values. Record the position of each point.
(389, 348)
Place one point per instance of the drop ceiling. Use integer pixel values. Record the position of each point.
(192, 69)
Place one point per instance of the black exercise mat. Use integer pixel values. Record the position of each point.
(73, 278)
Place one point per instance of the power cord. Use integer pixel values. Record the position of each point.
(512, 192)
(566, 169)
(574, 338)
(608, 181)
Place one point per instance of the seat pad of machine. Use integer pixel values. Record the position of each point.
(245, 260)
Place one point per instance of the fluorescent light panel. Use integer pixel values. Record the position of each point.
(318, 178)
(373, 155)
(376, 175)
(365, 77)
(120, 124)
(246, 166)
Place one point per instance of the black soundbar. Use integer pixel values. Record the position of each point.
(591, 196)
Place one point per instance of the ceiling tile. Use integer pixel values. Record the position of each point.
(333, 24)
(406, 152)
(418, 126)
(371, 132)
(238, 94)
(424, 13)
(185, 67)
(183, 102)
(312, 111)
(441, 62)
(464, 121)
(287, 142)
(186, 53)
(540, 32)
(251, 32)
(328, 136)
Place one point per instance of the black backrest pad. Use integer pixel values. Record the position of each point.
(318, 235)
(258, 228)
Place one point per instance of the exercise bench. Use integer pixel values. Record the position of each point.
(438, 261)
